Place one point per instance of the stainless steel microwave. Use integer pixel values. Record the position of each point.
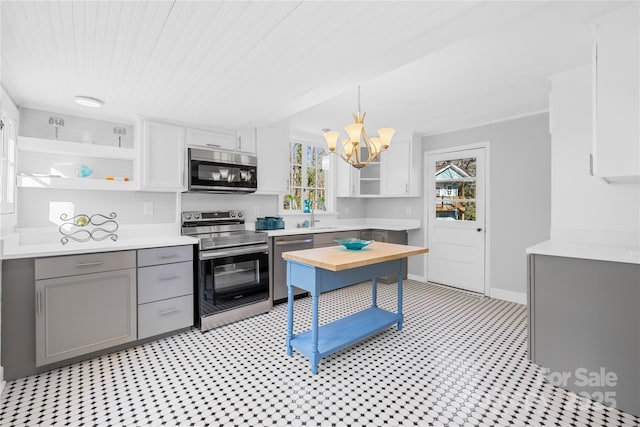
(217, 171)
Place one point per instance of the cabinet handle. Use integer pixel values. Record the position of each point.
(168, 256)
(89, 264)
(591, 164)
(406, 188)
(38, 304)
(214, 145)
(240, 143)
(169, 277)
(168, 311)
(293, 242)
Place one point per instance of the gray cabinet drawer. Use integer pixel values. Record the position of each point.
(327, 239)
(164, 255)
(163, 316)
(71, 265)
(160, 282)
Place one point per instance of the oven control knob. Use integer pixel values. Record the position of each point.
(187, 216)
(240, 214)
(233, 214)
(196, 216)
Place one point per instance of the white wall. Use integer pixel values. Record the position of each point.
(35, 123)
(37, 207)
(520, 201)
(583, 207)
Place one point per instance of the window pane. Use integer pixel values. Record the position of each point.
(321, 178)
(456, 169)
(297, 197)
(458, 189)
(297, 154)
(296, 178)
(311, 177)
(454, 209)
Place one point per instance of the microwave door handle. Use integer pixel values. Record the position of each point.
(234, 252)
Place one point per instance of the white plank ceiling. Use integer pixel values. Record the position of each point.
(423, 66)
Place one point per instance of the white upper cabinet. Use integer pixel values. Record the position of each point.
(616, 144)
(163, 157)
(211, 139)
(272, 149)
(347, 179)
(246, 140)
(397, 174)
(8, 155)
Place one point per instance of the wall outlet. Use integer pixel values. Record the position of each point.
(147, 208)
(256, 210)
(408, 210)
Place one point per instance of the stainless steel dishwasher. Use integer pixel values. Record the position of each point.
(279, 266)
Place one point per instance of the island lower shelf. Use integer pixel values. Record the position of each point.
(345, 332)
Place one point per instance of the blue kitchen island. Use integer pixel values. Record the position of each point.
(325, 269)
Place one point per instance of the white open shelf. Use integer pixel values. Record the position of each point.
(74, 183)
(52, 146)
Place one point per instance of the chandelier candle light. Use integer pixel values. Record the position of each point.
(357, 136)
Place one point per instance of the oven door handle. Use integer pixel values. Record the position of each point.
(234, 252)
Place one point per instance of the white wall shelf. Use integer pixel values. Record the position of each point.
(52, 164)
(52, 146)
(75, 183)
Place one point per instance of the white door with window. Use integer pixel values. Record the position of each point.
(455, 216)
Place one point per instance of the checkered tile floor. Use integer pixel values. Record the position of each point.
(460, 360)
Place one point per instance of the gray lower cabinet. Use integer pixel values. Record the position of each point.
(321, 240)
(584, 327)
(388, 236)
(84, 303)
(165, 290)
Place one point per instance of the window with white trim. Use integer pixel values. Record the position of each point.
(307, 177)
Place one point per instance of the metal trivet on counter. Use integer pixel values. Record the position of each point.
(78, 227)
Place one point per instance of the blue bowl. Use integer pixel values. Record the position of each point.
(353, 243)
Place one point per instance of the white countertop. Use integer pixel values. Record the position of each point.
(30, 244)
(563, 248)
(351, 224)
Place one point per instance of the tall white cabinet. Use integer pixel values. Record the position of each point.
(616, 101)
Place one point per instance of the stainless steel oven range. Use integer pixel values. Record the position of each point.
(233, 267)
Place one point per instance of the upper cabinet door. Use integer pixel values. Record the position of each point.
(246, 140)
(272, 147)
(163, 157)
(8, 155)
(211, 139)
(616, 149)
(401, 167)
(396, 162)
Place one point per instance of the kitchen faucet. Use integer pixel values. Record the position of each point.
(313, 221)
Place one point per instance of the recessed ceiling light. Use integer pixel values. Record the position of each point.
(88, 101)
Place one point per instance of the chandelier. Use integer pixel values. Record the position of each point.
(359, 149)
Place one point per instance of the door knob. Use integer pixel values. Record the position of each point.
(478, 229)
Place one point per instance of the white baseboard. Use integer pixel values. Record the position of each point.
(505, 295)
(416, 278)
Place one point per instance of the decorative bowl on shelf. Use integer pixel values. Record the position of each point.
(353, 243)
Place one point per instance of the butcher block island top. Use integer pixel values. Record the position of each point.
(338, 258)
